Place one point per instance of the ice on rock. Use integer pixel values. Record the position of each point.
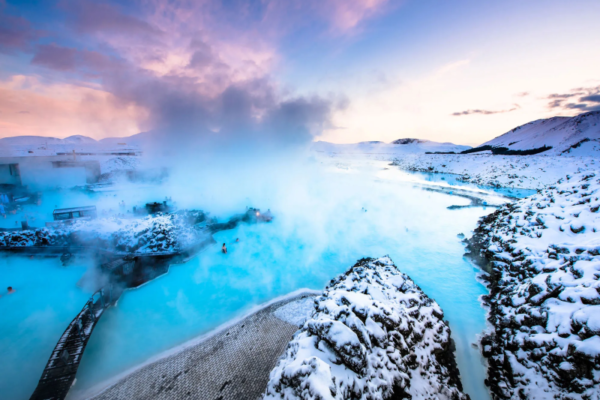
(373, 334)
(543, 255)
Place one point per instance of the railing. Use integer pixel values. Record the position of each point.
(59, 374)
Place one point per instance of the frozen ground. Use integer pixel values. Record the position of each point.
(543, 258)
(296, 312)
(529, 172)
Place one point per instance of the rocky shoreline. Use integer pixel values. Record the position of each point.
(542, 254)
(374, 334)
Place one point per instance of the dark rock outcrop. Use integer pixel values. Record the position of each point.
(542, 255)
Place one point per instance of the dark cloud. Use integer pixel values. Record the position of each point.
(556, 103)
(70, 59)
(564, 95)
(586, 96)
(581, 107)
(55, 57)
(484, 112)
(593, 98)
(16, 33)
(92, 17)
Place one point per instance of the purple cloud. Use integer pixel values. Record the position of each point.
(484, 112)
(91, 17)
(55, 57)
(16, 33)
(62, 58)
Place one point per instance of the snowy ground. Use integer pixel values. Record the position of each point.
(157, 233)
(531, 172)
(544, 259)
(374, 334)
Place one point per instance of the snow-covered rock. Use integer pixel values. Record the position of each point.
(152, 234)
(543, 255)
(373, 335)
(578, 135)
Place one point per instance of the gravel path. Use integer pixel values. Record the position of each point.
(233, 364)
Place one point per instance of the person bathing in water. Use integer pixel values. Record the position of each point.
(224, 249)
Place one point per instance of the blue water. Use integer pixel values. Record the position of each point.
(320, 230)
(452, 179)
(294, 252)
(33, 318)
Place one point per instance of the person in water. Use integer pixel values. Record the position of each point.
(237, 240)
(224, 249)
(10, 290)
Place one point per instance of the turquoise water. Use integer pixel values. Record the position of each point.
(320, 230)
(32, 319)
(452, 179)
(294, 252)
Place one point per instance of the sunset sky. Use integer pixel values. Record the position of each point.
(349, 70)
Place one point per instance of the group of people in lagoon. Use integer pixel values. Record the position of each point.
(224, 248)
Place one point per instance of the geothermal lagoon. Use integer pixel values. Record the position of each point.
(353, 210)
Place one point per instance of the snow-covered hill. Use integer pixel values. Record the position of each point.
(578, 135)
(373, 335)
(400, 146)
(543, 255)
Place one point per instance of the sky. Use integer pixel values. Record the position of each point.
(295, 70)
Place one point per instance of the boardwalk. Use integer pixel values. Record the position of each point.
(59, 374)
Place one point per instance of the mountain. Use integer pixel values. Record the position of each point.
(400, 146)
(137, 139)
(578, 135)
(79, 139)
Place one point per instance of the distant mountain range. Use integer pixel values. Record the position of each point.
(578, 135)
(76, 139)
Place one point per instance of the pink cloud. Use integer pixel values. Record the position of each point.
(31, 107)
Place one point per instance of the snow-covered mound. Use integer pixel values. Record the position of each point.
(543, 254)
(525, 172)
(400, 146)
(578, 135)
(159, 233)
(373, 335)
